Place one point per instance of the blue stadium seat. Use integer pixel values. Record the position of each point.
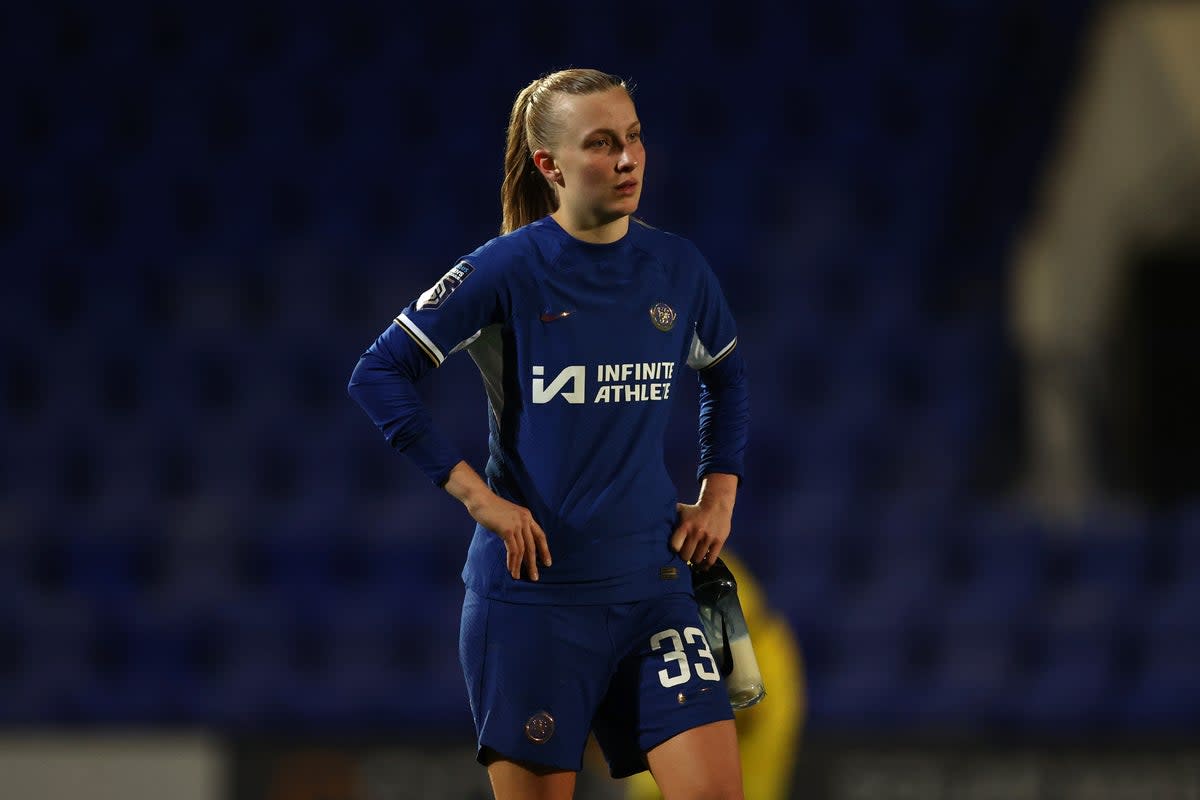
(861, 686)
(966, 682)
(802, 573)
(892, 570)
(1172, 609)
(200, 564)
(1067, 681)
(1118, 559)
(129, 672)
(49, 665)
(399, 665)
(1183, 532)
(44, 659)
(999, 560)
(114, 567)
(1165, 693)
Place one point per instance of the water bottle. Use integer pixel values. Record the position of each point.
(728, 638)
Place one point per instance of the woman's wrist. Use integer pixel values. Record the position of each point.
(718, 490)
(465, 485)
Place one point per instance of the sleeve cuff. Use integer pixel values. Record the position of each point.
(434, 455)
(726, 468)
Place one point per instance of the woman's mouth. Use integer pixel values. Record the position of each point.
(626, 188)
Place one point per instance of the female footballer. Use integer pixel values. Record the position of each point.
(578, 613)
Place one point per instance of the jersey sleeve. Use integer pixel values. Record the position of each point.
(724, 417)
(383, 384)
(715, 335)
(724, 399)
(452, 312)
(443, 319)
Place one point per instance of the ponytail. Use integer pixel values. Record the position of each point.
(526, 195)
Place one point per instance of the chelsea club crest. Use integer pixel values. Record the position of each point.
(663, 316)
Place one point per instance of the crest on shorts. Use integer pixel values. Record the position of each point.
(663, 316)
(540, 727)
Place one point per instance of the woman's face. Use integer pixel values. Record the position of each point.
(599, 159)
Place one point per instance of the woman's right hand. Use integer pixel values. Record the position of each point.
(524, 540)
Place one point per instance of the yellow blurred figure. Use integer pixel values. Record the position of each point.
(769, 732)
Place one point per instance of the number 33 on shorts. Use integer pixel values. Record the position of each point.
(677, 669)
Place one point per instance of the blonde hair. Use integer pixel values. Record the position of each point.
(525, 195)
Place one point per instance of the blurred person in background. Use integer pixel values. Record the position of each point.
(579, 317)
(1119, 196)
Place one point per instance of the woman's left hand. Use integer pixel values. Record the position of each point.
(701, 533)
(705, 525)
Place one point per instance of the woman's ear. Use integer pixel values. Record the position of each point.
(546, 165)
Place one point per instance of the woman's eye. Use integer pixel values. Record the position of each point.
(636, 136)
(599, 143)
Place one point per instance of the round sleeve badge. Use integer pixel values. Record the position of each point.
(663, 316)
(540, 727)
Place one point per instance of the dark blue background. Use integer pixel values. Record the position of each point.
(207, 214)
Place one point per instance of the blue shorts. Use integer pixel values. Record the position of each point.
(540, 677)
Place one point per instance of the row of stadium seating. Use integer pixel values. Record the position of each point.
(989, 618)
(850, 549)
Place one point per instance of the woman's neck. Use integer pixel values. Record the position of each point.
(597, 233)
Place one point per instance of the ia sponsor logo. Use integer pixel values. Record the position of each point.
(576, 376)
(615, 383)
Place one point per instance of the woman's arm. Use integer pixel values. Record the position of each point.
(724, 421)
(383, 383)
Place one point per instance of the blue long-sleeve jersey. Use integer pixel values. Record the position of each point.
(579, 346)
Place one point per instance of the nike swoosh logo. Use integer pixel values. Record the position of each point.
(553, 316)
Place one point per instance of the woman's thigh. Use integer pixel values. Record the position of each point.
(699, 764)
(514, 781)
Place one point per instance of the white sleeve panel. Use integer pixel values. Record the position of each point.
(699, 356)
(431, 349)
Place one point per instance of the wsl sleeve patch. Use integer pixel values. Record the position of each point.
(445, 286)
